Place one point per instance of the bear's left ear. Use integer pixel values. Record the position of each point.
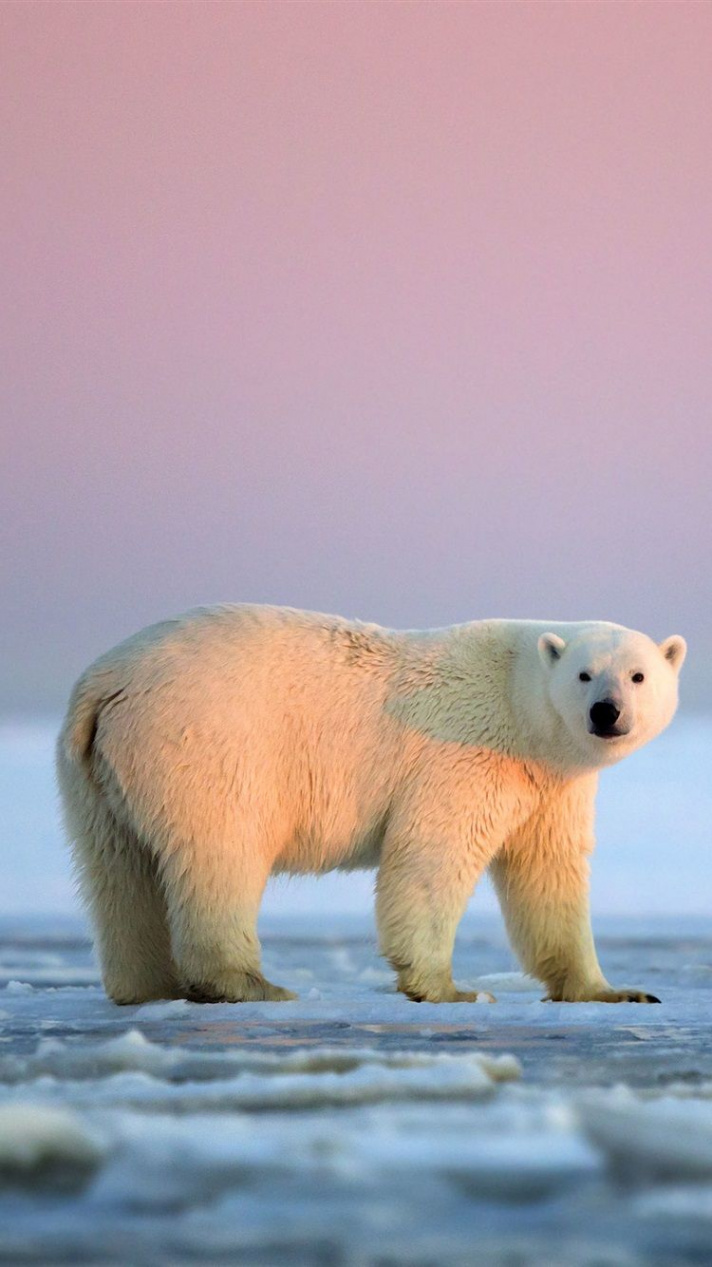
(550, 647)
(674, 649)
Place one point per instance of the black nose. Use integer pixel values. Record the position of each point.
(604, 714)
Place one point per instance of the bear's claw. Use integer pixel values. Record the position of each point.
(628, 996)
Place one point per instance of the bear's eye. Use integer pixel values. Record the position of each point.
(584, 677)
(638, 677)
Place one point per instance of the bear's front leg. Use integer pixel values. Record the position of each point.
(542, 880)
(422, 890)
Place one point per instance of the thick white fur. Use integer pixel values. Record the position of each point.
(210, 751)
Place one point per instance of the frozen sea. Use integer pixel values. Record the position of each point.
(353, 1127)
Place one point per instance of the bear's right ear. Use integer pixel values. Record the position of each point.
(551, 647)
(674, 649)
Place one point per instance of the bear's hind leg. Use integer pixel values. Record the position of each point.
(118, 880)
(214, 899)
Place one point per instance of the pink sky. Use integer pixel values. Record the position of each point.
(400, 310)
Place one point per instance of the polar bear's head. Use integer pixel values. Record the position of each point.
(613, 689)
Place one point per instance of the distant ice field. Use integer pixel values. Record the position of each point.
(653, 822)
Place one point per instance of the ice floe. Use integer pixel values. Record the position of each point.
(41, 1144)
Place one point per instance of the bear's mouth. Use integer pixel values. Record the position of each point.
(607, 732)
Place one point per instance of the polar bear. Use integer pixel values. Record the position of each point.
(206, 753)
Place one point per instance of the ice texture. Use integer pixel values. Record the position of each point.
(353, 1126)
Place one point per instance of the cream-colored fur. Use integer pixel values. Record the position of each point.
(208, 752)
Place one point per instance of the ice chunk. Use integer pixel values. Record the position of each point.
(163, 1010)
(133, 1052)
(131, 1070)
(503, 1151)
(665, 1139)
(41, 1145)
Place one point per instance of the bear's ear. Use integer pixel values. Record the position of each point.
(674, 649)
(551, 647)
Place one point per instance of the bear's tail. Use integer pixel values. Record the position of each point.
(77, 736)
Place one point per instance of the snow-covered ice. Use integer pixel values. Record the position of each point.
(352, 1127)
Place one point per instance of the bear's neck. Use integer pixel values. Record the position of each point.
(481, 685)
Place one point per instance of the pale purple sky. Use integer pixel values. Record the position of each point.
(398, 310)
